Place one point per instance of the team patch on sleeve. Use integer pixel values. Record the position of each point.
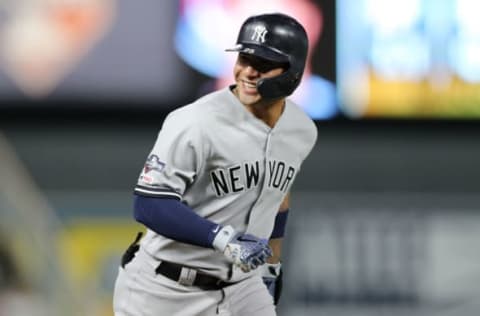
(153, 163)
(150, 180)
(151, 170)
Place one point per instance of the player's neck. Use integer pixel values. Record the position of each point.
(268, 112)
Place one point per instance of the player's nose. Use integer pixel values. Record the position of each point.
(251, 72)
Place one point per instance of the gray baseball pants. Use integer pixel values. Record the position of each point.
(139, 291)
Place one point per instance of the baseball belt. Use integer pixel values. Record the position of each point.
(188, 276)
(176, 272)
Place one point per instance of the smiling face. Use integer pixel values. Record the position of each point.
(247, 71)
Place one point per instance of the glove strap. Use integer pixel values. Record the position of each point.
(223, 237)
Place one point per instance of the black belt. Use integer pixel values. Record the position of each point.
(173, 271)
(204, 281)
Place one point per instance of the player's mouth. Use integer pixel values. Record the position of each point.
(249, 87)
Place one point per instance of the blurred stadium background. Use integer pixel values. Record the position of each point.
(386, 214)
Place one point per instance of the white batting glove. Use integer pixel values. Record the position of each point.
(244, 250)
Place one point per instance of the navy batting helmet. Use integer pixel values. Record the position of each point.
(280, 38)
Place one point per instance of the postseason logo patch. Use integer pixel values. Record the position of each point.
(153, 163)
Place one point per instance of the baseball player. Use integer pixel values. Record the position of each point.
(213, 193)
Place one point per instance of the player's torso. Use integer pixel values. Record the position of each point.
(247, 173)
(247, 169)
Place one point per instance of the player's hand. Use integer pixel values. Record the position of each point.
(272, 277)
(248, 251)
(244, 250)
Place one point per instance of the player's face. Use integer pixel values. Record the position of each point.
(247, 71)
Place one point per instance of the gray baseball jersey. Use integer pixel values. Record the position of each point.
(228, 166)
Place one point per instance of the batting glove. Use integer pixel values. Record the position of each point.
(272, 278)
(244, 250)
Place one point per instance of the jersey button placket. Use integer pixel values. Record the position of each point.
(260, 200)
(267, 158)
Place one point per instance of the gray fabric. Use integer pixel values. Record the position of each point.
(208, 153)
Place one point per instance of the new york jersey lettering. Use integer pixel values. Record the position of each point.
(235, 179)
(243, 177)
(280, 175)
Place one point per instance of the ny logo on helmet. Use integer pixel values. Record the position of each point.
(259, 33)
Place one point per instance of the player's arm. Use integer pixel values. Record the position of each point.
(272, 271)
(178, 154)
(276, 239)
(175, 220)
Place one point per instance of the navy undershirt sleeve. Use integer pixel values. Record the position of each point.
(280, 224)
(175, 220)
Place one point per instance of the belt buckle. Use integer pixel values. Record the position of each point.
(187, 276)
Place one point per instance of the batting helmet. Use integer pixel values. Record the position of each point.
(280, 38)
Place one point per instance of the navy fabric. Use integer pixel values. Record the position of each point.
(175, 220)
(280, 224)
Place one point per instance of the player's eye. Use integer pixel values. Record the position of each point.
(259, 64)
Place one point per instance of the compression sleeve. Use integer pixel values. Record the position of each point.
(175, 220)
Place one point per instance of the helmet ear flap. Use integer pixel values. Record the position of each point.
(279, 86)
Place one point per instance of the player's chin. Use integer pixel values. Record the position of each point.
(248, 97)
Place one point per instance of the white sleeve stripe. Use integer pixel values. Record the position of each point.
(145, 191)
(153, 188)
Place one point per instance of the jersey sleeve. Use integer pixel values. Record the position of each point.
(312, 138)
(175, 159)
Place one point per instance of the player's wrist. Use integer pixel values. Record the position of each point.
(223, 237)
(272, 278)
(271, 270)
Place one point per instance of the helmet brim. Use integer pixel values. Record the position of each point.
(264, 52)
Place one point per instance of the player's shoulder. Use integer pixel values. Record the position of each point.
(301, 122)
(200, 109)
